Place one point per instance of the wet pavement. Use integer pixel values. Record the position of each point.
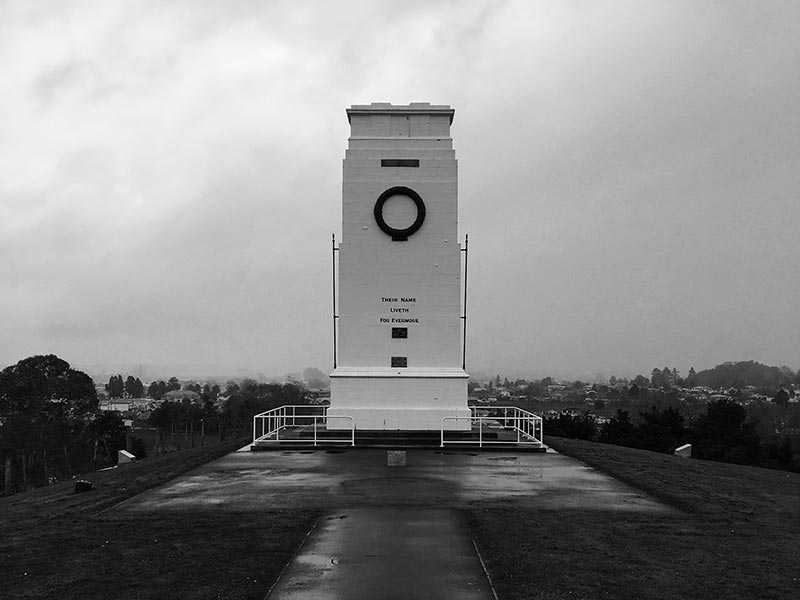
(387, 553)
(360, 478)
(390, 532)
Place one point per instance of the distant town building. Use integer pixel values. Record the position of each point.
(180, 395)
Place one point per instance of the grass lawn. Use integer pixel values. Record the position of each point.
(56, 544)
(736, 534)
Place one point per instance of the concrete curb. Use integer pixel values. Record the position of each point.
(291, 560)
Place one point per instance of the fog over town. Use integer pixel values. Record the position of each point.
(170, 178)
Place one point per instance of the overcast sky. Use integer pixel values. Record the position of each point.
(629, 177)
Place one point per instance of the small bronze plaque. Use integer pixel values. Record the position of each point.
(399, 162)
(399, 361)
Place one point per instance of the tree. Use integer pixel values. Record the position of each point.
(581, 427)
(42, 400)
(193, 386)
(691, 378)
(723, 434)
(156, 390)
(533, 390)
(161, 419)
(741, 374)
(661, 430)
(173, 385)
(108, 429)
(315, 378)
(115, 388)
(781, 398)
(619, 430)
(657, 378)
(134, 388)
(254, 398)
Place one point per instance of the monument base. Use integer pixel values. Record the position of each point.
(373, 397)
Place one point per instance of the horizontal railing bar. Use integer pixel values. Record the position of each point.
(288, 415)
(523, 422)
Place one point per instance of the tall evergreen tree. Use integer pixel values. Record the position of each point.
(115, 388)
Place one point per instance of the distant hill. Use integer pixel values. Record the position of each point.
(744, 373)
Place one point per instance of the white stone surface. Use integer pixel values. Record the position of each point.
(385, 283)
(123, 456)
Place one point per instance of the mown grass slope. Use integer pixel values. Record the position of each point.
(736, 534)
(57, 544)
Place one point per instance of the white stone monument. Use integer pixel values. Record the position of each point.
(399, 360)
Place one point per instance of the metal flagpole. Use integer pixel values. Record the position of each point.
(465, 250)
(333, 273)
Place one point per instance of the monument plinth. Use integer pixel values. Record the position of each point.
(399, 327)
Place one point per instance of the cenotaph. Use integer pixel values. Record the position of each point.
(398, 361)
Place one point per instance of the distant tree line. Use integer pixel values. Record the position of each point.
(723, 433)
(725, 376)
(51, 427)
(132, 387)
(157, 389)
(187, 422)
(250, 397)
(747, 373)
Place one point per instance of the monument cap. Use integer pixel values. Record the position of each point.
(414, 108)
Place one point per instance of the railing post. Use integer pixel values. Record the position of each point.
(315, 431)
(480, 432)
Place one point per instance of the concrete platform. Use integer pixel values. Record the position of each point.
(390, 532)
(352, 477)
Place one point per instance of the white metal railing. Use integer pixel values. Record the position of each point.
(511, 424)
(267, 426)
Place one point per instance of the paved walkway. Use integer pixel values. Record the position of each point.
(387, 554)
(390, 532)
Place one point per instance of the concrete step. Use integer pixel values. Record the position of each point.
(303, 437)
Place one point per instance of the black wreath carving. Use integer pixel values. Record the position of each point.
(399, 235)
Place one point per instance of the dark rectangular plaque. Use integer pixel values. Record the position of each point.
(399, 162)
(399, 361)
(399, 333)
